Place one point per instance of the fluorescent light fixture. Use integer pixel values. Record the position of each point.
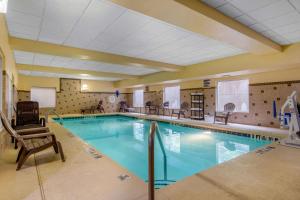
(85, 75)
(3, 6)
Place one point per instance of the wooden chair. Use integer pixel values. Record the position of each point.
(224, 116)
(32, 143)
(183, 108)
(27, 117)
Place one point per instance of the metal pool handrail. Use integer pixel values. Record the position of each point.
(151, 177)
(53, 111)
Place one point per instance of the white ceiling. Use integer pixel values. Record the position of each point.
(70, 63)
(61, 75)
(103, 26)
(278, 20)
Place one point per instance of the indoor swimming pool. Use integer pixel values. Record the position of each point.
(188, 150)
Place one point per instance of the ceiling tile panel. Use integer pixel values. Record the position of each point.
(278, 20)
(69, 63)
(230, 10)
(24, 19)
(276, 9)
(103, 26)
(296, 4)
(215, 3)
(98, 16)
(32, 7)
(290, 18)
(250, 5)
(59, 19)
(41, 59)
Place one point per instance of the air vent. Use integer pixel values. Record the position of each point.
(206, 83)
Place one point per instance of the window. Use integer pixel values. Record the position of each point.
(45, 96)
(236, 92)
(172, 95)
(138, 98)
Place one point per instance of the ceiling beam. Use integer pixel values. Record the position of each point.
(84, 54)
(197, 17)
(232, 66)
(61, 70)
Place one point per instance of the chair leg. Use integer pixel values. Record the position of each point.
(62, 156)
(12, 139)
(226, 120)
(24, 155)
(16, 143)
(55, 147)
(19, 154)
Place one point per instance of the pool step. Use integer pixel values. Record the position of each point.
(159, 183)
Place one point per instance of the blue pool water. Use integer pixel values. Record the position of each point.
(189, 150)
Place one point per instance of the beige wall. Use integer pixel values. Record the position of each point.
(27, 82)
(8, 65)
(70, 99)
(100, 86)
(9, 61)
(267, 77)
(93, 86)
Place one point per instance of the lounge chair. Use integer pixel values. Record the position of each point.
(184, 107)
(149, 105)
(32, 143)
(224, 116)
(124, 107)
(100, 107)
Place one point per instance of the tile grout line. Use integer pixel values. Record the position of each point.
(39, 180)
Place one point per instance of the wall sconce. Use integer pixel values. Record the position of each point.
(84, 87)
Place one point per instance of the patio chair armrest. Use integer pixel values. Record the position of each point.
(33, 130)
(39, 135)
(13, 123)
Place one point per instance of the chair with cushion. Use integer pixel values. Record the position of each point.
(184, 107)
(31, 143)
(224, 116)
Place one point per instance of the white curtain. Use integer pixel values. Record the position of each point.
(45, 96)
(236, 92)
(138, 98)
(172, 95)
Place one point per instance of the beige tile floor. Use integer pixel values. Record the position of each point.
(272, 175)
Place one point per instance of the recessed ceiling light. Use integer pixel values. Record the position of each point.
(84, 75)
(136, 64)
(83, 57)
(3, 6)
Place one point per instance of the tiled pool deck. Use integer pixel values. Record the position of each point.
(271, 175)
